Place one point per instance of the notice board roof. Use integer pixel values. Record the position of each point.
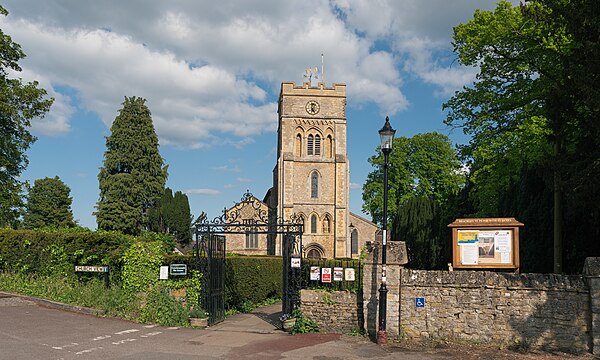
(485, 222)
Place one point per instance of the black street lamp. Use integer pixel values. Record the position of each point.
(387, 137)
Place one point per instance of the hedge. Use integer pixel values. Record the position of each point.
(54, 252)
(252, 280)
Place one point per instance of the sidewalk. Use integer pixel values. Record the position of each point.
(256, 336)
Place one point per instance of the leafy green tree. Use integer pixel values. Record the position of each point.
(524, 111)
(19, 104)
(424, 165)
(49, 205)
(132, 178)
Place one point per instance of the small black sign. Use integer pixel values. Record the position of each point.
(178, 269)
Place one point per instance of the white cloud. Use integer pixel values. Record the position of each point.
(208, 192)
(355, 186)
(208, 70)
(227, 168)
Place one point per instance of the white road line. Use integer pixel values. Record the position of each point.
(173, 328)
(149, 326)
(123, 341)
(101, 337)
(65, 346)
(126, 331)
(88, 350)
(151, 334)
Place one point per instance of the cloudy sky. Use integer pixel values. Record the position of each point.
(211, 73)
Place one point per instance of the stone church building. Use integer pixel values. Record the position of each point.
(311, 178)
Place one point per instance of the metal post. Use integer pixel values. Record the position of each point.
(382, 333)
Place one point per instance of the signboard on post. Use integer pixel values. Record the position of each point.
(98, 269)
(101, 269)
(295, 262)
(485, 243)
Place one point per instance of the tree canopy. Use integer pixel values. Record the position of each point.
(529, 113)
(132, 178)
(19, 104)
(424, 165)
(49, 205)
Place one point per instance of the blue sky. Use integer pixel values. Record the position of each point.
(211, 76)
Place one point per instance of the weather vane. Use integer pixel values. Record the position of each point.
(311, 73)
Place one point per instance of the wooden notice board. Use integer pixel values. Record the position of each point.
(485, 243)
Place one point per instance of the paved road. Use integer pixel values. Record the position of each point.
(30, 331)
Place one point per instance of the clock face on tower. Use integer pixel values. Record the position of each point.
(312, 107)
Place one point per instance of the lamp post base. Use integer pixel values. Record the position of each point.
(382, 338)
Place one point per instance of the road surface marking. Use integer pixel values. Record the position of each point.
(126, 331)
(65, 346)
(101, 337)
(149, 326)
(151, 334)
(123, 341)
(88, 350)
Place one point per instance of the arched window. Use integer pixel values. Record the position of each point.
(303, 221)
(314, 251)
(326, 224)
(298, 145)
(314, 185)
(329, 146)
(313, 224)
(354, 241)
(311, 145)
(313, 254)
(317, 144)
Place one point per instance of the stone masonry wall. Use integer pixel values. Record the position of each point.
(336, 311)
(524, 311)
(534, 311)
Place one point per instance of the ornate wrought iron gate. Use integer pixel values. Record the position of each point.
(246, 217)
(210, 260)
(292, 274)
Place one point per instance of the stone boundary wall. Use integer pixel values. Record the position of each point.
(522, 311)
(338, 311)
(528, 311)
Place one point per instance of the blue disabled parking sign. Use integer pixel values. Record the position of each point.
(419, 302)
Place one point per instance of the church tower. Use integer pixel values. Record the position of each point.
(311, 177)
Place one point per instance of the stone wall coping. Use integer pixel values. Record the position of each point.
(490, 279)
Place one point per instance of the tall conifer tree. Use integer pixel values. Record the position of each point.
(133, 175)
(49, 205)
(182, 219)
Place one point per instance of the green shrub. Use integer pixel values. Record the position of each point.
(251, 280)
(303, 325)
(162, 309)
(141, 265)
